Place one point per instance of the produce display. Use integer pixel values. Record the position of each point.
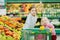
(10, 28)
(22, 9)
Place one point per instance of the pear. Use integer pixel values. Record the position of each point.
(3, 38)
(10, 38)
(1, 23)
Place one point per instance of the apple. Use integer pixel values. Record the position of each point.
(0, 31)
(10, 33)
(1, 27)
(15, 36)
(7, 33)
(6, 29)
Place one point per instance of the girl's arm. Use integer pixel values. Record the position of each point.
(27, 23)
(53, 29)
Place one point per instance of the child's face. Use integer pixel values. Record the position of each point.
(33, 11)
(44, 21)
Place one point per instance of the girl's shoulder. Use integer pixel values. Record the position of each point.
(50, 25)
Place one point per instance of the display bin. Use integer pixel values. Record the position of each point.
(29, 34)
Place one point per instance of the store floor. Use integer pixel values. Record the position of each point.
(58, 37)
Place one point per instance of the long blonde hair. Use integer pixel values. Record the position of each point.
(44, 20)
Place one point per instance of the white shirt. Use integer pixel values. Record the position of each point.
(30, 21)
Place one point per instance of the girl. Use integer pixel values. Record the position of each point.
(31, 18)
(30, 22)
(46, 23)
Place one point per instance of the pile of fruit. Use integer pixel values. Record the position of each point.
(10, 28)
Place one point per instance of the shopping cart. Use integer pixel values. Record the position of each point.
(29, 34)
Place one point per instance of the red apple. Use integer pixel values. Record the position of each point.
(7, 33)
(6, 29)
(10, 33)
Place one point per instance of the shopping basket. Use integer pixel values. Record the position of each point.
(29, 34)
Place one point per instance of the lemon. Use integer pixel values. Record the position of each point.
(42, 27)
(50, 29)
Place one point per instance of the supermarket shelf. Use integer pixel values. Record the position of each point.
(49, 17)
(54, 17)
(57, 31)
(33, 0)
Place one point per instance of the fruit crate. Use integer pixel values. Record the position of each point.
(30, 34)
